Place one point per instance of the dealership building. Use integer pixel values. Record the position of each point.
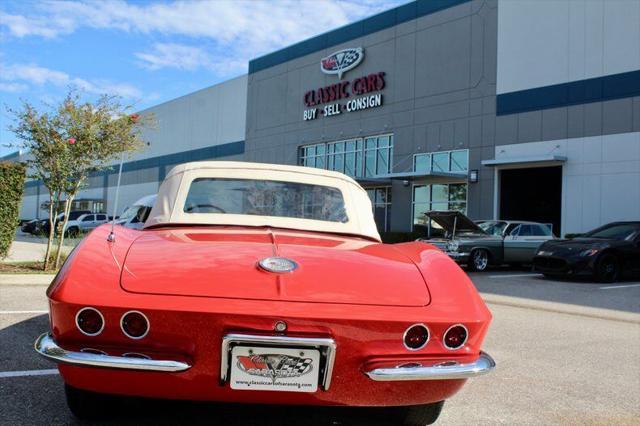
(501, 109)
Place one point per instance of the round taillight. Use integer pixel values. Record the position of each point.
(455, 337)
(134, 324)
(90, 321)
(416, 337)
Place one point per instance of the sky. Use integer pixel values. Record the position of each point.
(147, 52)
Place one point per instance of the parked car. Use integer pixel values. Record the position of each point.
(30, 227)
(606, 254)
(260, 283)
(504, 228)
(136, 215)
(490, 243)
(85, 223)
(44, 227)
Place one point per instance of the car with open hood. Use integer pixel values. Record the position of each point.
(259, 283)
(488, 242)
(605, 254)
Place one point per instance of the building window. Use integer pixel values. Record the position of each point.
(443, 161)
(381, 202)
(370, 156)
(378, 155)
(313, 156)
(459, 161)
(345, 156)
(447, 196)
(422, 163)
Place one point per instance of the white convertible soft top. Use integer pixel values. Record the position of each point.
(169, 206)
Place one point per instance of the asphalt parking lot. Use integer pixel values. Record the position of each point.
(555, 366)
(521, 283)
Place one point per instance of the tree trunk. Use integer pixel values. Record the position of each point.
(52, 198)
(67, 210)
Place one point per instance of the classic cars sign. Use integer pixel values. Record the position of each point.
(334, 98)
(329, 96)
(342, 61)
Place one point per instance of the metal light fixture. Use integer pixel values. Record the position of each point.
(473, 176)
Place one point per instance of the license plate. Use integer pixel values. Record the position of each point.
(274, 369)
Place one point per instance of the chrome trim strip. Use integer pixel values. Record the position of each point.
(47, 347)
(466, 330)
(446, 370)
(314, 342)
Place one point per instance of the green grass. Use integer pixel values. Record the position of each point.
(31, 267)
(23, 268)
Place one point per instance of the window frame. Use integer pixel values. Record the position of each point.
(431, 202)
(360, 155)
(431, 155)
(387, 204)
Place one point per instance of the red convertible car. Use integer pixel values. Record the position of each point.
(258, 283)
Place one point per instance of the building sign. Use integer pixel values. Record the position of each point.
(334, 99)
(342, 61)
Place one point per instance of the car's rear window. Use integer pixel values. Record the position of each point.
(620, 231)
(266, 198)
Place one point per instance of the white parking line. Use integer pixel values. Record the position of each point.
(25, 373)
(22, 312)
(515, 275)
(619, 286)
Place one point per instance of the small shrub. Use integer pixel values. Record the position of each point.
(54, 254)
(12, 177)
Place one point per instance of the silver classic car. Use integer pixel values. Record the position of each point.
(490, 242)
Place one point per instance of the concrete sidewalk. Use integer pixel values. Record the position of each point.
(29, 248)
(26, 279)
(26, 251)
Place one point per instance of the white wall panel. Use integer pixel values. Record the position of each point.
(212, 116)
(546, 42)
(29, 207)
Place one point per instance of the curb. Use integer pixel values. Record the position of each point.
(562, 308)
(26, 279)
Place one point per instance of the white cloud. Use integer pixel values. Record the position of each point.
(234, 31)
(19, 77)
(13, 87)
(22, 26)
(174, 55)
(185, 57)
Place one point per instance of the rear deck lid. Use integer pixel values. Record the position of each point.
(222, 263)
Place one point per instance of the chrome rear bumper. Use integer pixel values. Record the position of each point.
(447, 370)
(47, 347)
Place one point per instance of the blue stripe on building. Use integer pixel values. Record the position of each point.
(367, 26)
(208, 153)
(597, 89)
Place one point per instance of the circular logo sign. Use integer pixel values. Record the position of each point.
(278, 265)
(342, 61)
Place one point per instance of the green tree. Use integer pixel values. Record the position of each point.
(11, 185)
(72, 140)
